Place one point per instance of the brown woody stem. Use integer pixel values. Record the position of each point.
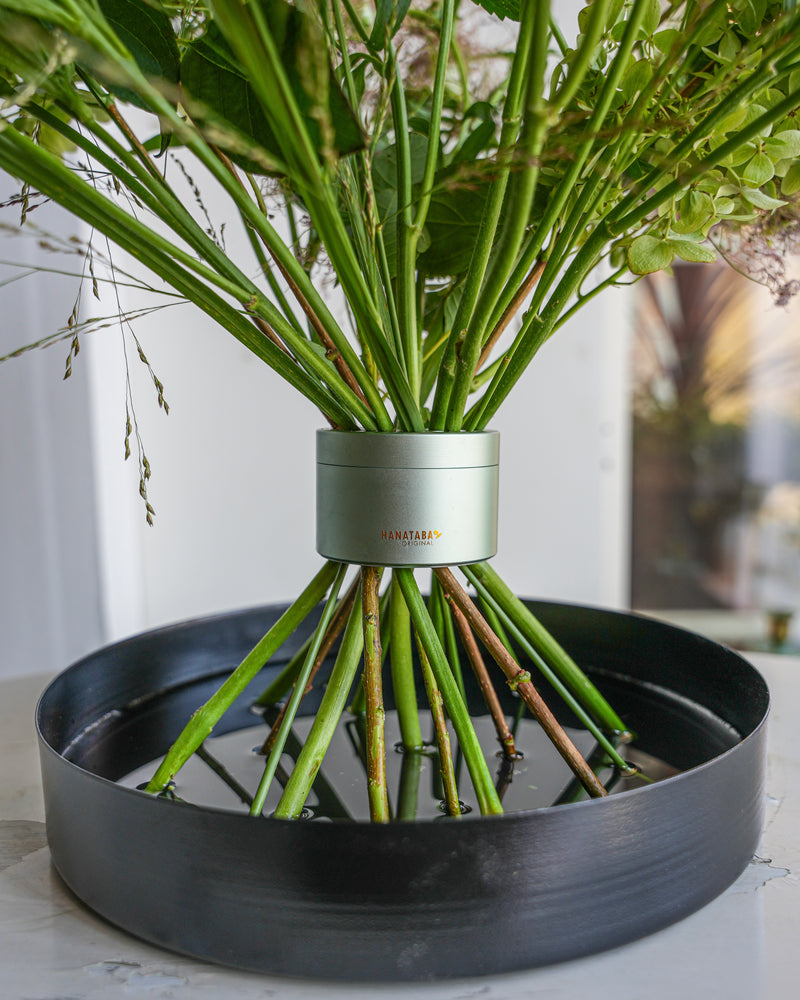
(520, 680)
(267, 330)
(331, 350)
(373, 692)
(510, 312)
(127, 131)
(451, 800)
(473, 652)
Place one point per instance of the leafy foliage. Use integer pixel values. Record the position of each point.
(212, 81)
(146, 32)
(438, 201)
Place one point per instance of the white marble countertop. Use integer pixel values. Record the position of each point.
(742, 946)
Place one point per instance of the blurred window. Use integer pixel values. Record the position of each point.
(716, 437)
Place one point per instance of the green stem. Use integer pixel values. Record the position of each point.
(408, 792)
(22, 157)
(446, 771)
(206, 717)
(488, 801)
(582, 299)
(255, 46)
(402, 667)
(512, 113)
(339, 248)
(406, 257)
(327, 718)
(574, 168)
(281, 684)
(535, 331)
(489, 584)
(442, 618)
(581, 59)
(518, 200)
(297, 696)
(554, 680)
(520, 680)
(496, 626)
(437, 100)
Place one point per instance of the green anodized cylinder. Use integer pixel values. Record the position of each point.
(407, 499)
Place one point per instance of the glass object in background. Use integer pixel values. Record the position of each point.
(716, 451)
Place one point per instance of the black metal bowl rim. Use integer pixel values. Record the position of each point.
(472, 819)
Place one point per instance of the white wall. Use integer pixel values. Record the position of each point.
(50, 609)
(564, 524)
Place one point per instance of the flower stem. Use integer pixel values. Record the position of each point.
(408, 792)
(453, 702)
(402, 666)
(278, 688)
(473, 652)
(206, 717)
(560, 688)
(373, 692)
(287, 715)
(333, 702)
(481, 575)
(452, 803)
(442, 618)
(520, 680)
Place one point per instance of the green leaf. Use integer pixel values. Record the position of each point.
(739, 156)
(384, 182)
(759, 170)
(452, 224)
(770, 97)
(664, 40)
(652, 17)
(711, 26)
(614, 10)
(502, 8)
(783, 145)
(388, 18)
(750, 14)
(753, 112)
(791, 182)
(637, 78)
(733, 121)
(211, 76)
(145, 30)
(782, 167)
(648, 254)
(761, 200)
(696, 210)
(729, 46)
(695, 253)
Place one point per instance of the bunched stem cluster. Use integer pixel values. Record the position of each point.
(464, 223)
(358, 667)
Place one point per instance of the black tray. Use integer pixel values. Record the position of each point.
(403, 901)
